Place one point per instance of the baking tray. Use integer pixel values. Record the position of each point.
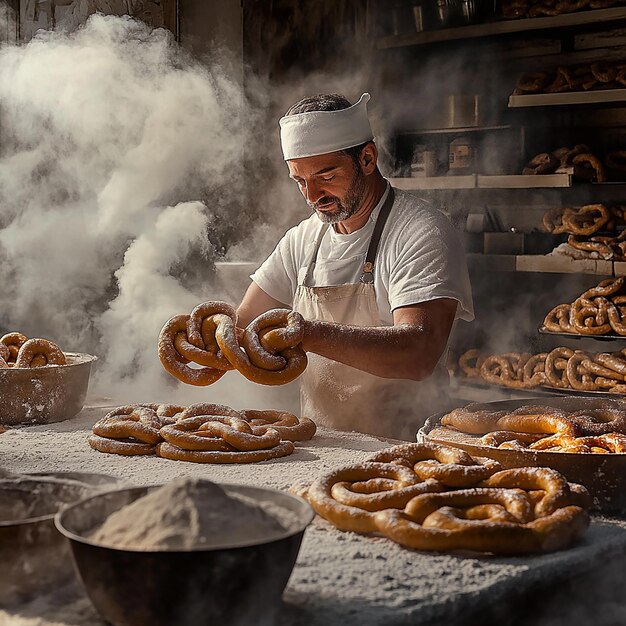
(581, 393)
(480, 383)
(544, 331)
(604, 475)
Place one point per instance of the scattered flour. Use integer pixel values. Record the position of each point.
(187, 513)
(339, 578)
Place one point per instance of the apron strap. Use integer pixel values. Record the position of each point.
(368, 267)
(308, 277)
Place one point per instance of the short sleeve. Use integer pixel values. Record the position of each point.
(429, 263)
(277, 276)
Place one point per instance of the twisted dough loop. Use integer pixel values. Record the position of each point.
(518, 511)
(271, 352)
(452, 467)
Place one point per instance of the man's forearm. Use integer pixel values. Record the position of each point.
(403, 351)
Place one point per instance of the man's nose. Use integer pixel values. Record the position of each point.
(313, 192)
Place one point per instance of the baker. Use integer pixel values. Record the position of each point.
(378, 274)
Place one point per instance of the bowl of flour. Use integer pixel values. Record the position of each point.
(189, 552)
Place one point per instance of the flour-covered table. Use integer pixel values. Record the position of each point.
(339, 578)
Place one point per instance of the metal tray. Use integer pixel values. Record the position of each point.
(544, 331)
(581, 393)
(604, 475)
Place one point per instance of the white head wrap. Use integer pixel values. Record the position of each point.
(321, 132)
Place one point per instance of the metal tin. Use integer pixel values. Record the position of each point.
(604, 475)
(35, 557)
(42, 395)
(236, 584)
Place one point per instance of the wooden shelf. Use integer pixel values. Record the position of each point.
(477, 392)
(549, 264)
(452, 131)
(606, 96)
(503, 27)
(474, 181)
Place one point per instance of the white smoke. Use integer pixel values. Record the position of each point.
(120, 167)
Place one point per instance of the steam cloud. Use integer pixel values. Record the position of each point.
(119, 173)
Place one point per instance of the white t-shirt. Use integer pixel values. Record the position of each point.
(420, 258)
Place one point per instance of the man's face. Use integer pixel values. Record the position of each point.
(333, 185)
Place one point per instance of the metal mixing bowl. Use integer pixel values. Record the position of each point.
(42, 395)
(235, 585)
(34, 557)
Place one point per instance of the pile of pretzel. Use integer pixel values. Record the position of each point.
(579, 160)
(599, 430)
(586, 77)
(268, 351)
(600, 310)
(431, 497)
(516, 9)
(584, 225)
(200, 433)
(16, 350)
(562, 368)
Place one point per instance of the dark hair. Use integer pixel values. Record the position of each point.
(328, 102)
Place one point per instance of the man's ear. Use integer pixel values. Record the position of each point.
(369, 158)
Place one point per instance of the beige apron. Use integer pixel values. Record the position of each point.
(346, 398)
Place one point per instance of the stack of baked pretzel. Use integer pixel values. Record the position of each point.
(585, 77)
(268, 351)
(584, 225)
(579, 161)
(517, 9)
(431, 497)
(562, 368)
(16, 350)
(600, 310)
(598, 430)
(200, 433)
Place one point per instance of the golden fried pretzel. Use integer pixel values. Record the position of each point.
(13, 341)
(589, 166)
(600, 421)
(557, 490)
(199, 344)
(543, 163)
(272, 354)
(539, 422)
(534, 370)
(496, 438)
(533, 82)
(38, 353)
(447, 528)
(175, 332)
(168, 451)
(399, 486)
(125, 447)
(450, 466)
(604, 72)
(590, 317)
(470, 362)
(555, 367)
(5, 353)
(587, 220)
(602, 249)
(557, 320)
(605, 288)
(288, 426)
(472, 419)
(131, 421)
(186, 433)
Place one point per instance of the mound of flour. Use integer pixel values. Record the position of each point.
(190, 513)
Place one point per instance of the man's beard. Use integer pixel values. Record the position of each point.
(345, 209)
